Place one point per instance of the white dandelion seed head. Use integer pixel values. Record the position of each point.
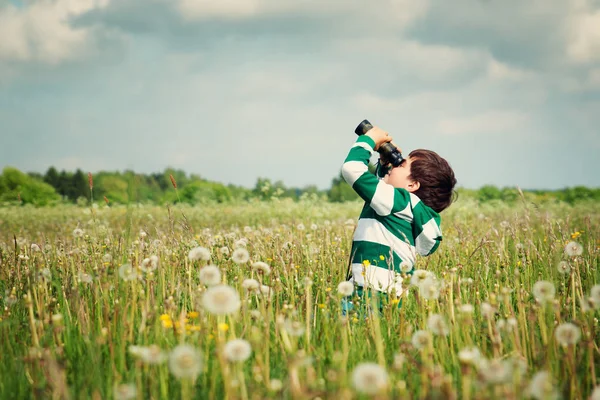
(185, 361)
(237, 350)
(275, 385)
(405, 267)
(143, 234)
(307, 282)
(224, 250)
(127, 272)
(541, 386)
(487, 310)
(595, 393)
(251, 285)
(247, 229)
(240, 256)
(199, 253)
(35, 248)
(370, 378)
(221, 300)
(563, 267)
(421, 339)
(314, 227)
(573, 249)
(430, 288)
(466, 308)
(149, 264)
(419, 276)
(470, 355)
(345, 288)
(544, 291)
(595, 295)
(124, 391)
(84, 277)
(44, 275)
(261, 267)
(437, 325)
(300, 227)
(135, 350)
(153, 355)
(399, 361)
(567, 334)
(293, 328)
(495, 371)
(78, 232)
(241, 243)
(266, 291)
(106, 258)
(210, 275)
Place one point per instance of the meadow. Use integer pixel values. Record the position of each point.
(244, 302)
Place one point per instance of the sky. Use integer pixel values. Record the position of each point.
(508, 91)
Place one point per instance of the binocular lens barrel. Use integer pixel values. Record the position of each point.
(389, 152)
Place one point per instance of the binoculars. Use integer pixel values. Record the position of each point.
(389, 153)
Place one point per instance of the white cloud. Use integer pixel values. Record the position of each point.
(584, 32)
(497, 70)
(42, 32)
(497, 121)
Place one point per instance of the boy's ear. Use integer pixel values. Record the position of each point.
(413, 186)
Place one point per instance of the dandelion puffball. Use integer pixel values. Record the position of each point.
(221, 300)
(544, 291)
(240, 255)
(199, 253)
(573, 249)
(261, 267)
(210, 275)
(421, 339)
(346, 288)
(437, 325)
(185, 361)
(237, 350)
(567, 334)
(370, 378)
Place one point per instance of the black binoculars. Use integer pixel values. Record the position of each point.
(389, 153)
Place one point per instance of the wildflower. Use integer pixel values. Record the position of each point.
(573, 249)
(149, 264)
(261, 267)
(541, 386)
(293, 328)
(185, 361)
(487, 310)
(430, 288)
(35, 247)
(247, 229)
(223, 327)
(567, 334)
(300, 227)
(419, 276)
(237, 350)
(143, 234)
(240, 256)
(544, 291)
(44, 275)
(308, 282)
(242, 243)
(266, 291)
(470, 355)
(437, 325)
(563, 267)
(595, 295)
(224, 250)
(405, 267)
(84, 278)
(251, 285)
(127, 272)
(495, 371)
(346, 288)
(275, 385)
(199, 253)
(106, 258)
(421, 339)
(210, 275)
(221, 300)
(77, 232)
(369, 378)
(466, 308)
(124, 391)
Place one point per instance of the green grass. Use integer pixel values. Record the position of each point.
(491, 255)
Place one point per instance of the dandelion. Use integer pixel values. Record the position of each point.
(106, 258)
(221, 300)
(78, 232)
(567, 334)
(124, 391)
(437, 325)
(293, 328)
(544, 291)
(399, 361)
(224, 250)
(495, 371)
(405, 267)
(470, 355)
(300, 227)
(430, 288)
(149, 264)
(345, 288)
(44, 275)
(563, 267)
(199, 253)
(573, 249)
(275, 385)
(210, 275)
(35, 248)
(242, 243)
(466, 308)
(595, 295)
(487, 310)
(185, 361)
(419, 276)
(153, 355)
(421, 339)
(261, 267)
(370, 378)
(84, 278)
(127, 272)
(251, 285)
(240, 256)
(266, 291)
(541, 386)
(237, 350)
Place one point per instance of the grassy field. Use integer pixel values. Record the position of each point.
(244, 302)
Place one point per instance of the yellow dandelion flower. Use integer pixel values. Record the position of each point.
(395, 301)
(167, 323)
(321, 306)
(223, 327)
(210, 337)
(366, 263)
(381, 257)
(328, 289)
(194, 328)
(269, 259)
(354, 319)
(193, 314)
(165, 317)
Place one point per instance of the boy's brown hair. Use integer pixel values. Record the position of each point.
(436, 179)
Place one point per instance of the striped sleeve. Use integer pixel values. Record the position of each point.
(426, 229)
(383, 198)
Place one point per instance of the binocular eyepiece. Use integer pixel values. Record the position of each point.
(389, 153)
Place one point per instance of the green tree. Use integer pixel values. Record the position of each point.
(15, 184)
(340, 191)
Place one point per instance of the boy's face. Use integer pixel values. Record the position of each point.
(398, 177)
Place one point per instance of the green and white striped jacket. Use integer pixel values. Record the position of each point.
(393, 227)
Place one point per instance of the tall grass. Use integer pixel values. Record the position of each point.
(73, 327)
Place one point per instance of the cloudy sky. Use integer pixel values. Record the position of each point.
(507, 90)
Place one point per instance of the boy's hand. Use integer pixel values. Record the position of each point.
(379, 136)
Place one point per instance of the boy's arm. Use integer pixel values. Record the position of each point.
(383, 198)
(426, 229)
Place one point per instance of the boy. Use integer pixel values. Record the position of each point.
(401, 213)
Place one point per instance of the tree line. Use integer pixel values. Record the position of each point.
(173, 186)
